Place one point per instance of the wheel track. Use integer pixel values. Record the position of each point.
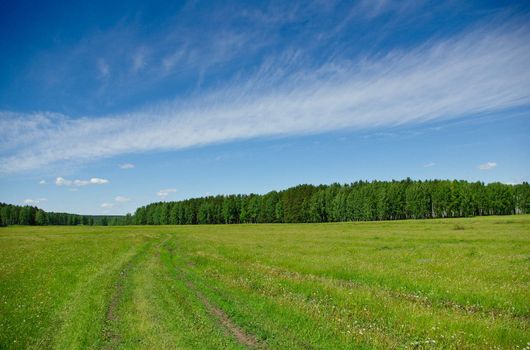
(243, 337)
(110, 334)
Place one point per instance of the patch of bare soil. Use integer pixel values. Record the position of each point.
(244, 338)
(111, 337)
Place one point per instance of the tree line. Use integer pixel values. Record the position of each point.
(29, 215)
(358, 201)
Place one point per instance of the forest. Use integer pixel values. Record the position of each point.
(358, 201)
(28, 215)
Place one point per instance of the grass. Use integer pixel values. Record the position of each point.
(457, 284)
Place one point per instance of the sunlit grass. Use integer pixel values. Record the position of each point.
(458, 283)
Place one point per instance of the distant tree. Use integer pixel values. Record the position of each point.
(231, 209)
(522, 198)
(41, 218)
(25, 217)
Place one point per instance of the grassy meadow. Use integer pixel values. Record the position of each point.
(425, 284)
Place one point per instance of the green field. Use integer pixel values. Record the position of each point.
(456, 283)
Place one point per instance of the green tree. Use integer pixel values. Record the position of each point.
(41, 218)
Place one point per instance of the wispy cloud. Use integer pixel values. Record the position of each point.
(42, 182)
(481, 71)
(34, 201)
(166, 192)
(118, 201)
(121, 199)
(30, 201)
(60, 181)
(487, 166)
(139, 59)
(127, 166)
(428, 165)
(103, 68)
(372, 8)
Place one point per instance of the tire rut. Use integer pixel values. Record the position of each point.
(110, 335)
(243, 337)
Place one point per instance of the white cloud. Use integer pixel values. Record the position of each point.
(81, 182)
(166, 192)
(60, 181)
(126, 166)
(121, 199)
(42, 182)
(117, 201)
(430, 164)
(480, 72)
(487, 166)
(98, 181)
(171, 60)
(34, 201)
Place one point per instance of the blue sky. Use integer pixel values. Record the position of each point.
(105, 107)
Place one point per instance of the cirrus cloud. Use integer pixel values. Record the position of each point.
(121, 199)
(60, 181)
(481, 71)
(487, 166)
(166, 192)
(127, 166)
(34, 201)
